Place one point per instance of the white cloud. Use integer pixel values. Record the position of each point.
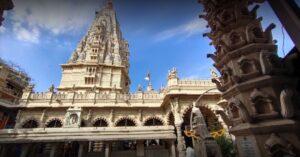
(195, 26)
(27, 35)
(2, 29)
(54, 16)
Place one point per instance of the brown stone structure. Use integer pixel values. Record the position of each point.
(5, 5)
(259, 86)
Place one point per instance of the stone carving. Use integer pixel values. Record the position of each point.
(247, 66)
(213, 73)
(112, 115)
(73, 117)
(51, 89)
(173, 73)
(225, 117)
(175, 107)
(261, 103)
(279, 147)
(89, 115)
(219, 85)
(286, 103)
(238, 110)
(81, 56)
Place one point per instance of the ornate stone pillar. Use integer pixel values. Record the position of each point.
(176, 109)
(25, 149)
(53, 149)
(172, 148)
(3, 152)
(140, 150)
(180, 143)
(81, 150)
(107, 149)
(259, 85)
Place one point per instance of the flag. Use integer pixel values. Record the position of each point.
(147, 77)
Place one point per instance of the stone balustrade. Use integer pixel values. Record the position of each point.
(86, 134)
(195, 83)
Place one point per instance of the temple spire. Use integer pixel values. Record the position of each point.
(109, 3)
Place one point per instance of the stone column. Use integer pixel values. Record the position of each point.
(180, 144)
(25, 149)
(3, 151)
(172, 148)
(82, 149)
(107, 149)
(260, 87)
(140, 150)
(53, 150)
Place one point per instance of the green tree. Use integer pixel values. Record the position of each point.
(226, 146)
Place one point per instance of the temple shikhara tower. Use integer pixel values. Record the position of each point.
(92, 113)
(101, 59)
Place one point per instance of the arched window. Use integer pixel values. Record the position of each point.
(153, 122)
(100, 123)
(126, 122)
(55, 123)
(30, 124)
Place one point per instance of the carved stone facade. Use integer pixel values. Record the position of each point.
(93, 114)
(260, 86)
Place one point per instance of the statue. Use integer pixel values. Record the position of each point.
(51, 89)
(73, 119)
(213, 73)
(140, 88)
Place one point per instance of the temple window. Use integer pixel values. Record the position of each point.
(100, 123)
(30, 124)
(55, 123)
(153, 122)
(126, 122)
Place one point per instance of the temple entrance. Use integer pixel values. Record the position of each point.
(211, 121)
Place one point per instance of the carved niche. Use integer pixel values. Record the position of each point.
(254, 33)
(248, 68)
(276, 146)
(262, 105)
(234, 40)
(237, 111)
(271, 63)
(73, 117)
(226, 16)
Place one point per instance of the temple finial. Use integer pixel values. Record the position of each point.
(109, 3)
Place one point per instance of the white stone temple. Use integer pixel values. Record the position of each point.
(92, 113)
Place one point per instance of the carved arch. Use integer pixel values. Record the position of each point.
(153, 121)
(100, 122)
(247, 66)
(30, 123)
(54, 123)
(125, 122)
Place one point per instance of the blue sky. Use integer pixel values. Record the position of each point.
(39, 35)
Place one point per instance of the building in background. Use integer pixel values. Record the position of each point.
(92, 113)
(12, 83)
